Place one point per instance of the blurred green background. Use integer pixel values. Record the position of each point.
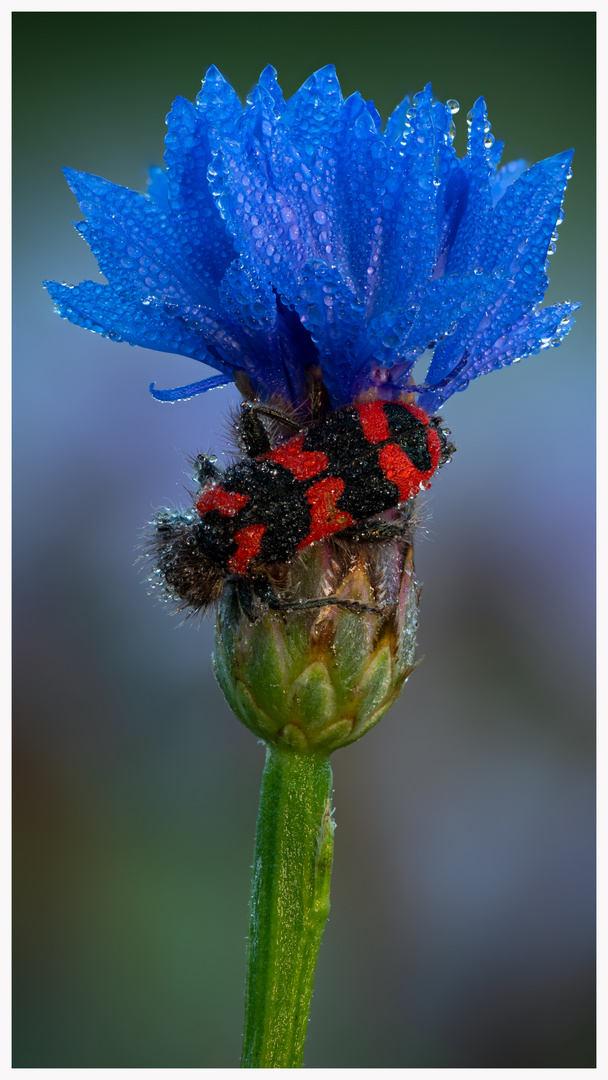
(462, 924)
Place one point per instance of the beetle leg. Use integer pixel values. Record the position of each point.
(274, 414)
(251, 433)
(250, 430)
(265, 593)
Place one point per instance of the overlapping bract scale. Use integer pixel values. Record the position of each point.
(283, 235)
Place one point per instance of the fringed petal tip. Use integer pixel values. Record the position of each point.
(182, 393)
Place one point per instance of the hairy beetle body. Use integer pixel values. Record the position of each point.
(331, 477)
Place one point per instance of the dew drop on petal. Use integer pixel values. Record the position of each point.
(287, 214)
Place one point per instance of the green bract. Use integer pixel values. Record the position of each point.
(315, 680)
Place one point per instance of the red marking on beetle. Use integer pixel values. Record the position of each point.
(248, 540)
(325, 515)
(416, 411)
(374, 422)
(396, 466)
(215, 498)
(304, 464)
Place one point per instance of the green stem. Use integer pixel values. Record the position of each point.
(289, 906)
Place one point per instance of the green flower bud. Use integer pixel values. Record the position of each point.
(317, 679)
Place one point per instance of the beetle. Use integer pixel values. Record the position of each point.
(332, 477)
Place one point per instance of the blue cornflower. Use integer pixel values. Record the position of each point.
(285, 235)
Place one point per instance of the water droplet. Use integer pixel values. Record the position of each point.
(287, 214)
(453, 106)
(488, 141)
(470, 117)
(320, 217)
(478, 270)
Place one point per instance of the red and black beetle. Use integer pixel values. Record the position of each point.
(334, 476)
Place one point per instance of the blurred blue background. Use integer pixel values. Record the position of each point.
(462, 924)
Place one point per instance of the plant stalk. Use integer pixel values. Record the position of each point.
(289, 905)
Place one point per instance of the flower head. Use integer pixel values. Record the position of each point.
(284, 236)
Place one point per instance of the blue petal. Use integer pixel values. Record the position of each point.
(279, 218)
(334, 317)
(312, 115)
(131, 239)
(436, 313)
(182, 393)
(247, 299)
(158, 188)
(395, 125)
(375, 115)
(538, 330)
(409, 212)
(469, 245)
(515, 249)
(495, 154)
(268, 82)
(505, 177)
(126, 317)
(204, 247)
(526, 216)
(351, 180)
(218, 104)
